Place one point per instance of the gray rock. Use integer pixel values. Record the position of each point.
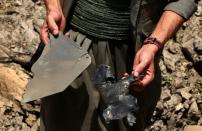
(31, 119)
(18, 41)
(199, 11)
(158, 126)
(178, 83)
(188, 50)
(175, 100)
(171, 123)
(4, 54)
(198, 45)
(185, 94)
(37, 23)
(31, 108)
(179, 107)
(173, 47)
(36, 125)
(165, 95)
(170, 60)
(194, 108)
(13, 81)
(200, 121)
(193, 128)
(179, 116)
(186, 104)
(18, 2)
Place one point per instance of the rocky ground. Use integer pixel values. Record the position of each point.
(20, 21)
(181, 64)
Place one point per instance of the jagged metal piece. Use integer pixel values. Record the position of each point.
(61, 62)
(120, 103)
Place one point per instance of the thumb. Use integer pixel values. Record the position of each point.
(140, 68)
(53, 27)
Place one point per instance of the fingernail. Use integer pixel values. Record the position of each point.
(136, 73)
(55, 32)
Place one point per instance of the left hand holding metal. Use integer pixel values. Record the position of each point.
(144, 63)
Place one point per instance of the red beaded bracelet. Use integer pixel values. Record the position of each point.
(152, 40)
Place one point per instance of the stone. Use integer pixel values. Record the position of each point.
(180, 71)
(192, 51)
(198, 45)
(36, 125)
(18, 2)
(13, 81)
(185, 94)
(18, 41)
(37, 23)
(3, 55)
(31, 37)
(193, 128)
(173, 47)
(178, 83)
(158, 126)
(1, 104)
(162, 67)
(175, 100)
(200, 121)
(30, 108)
(199, 11)
(165, 95)
(186, 106)
(194, 108)
(31, 119)
(170, 60)
(179, 107)
(179, 115)
(171, 123)
(188, 49)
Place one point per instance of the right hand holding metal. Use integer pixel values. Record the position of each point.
(54, 22)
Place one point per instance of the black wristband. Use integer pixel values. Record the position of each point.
(152, 40)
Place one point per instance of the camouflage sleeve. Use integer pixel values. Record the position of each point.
(184, 8)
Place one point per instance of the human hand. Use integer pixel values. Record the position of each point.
(53, 23)
(144, 64)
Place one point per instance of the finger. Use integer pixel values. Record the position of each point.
(136, 61)
(44, 33)
(148, 77)
(62, 25)
(139, 68)
(147, 80)
(53, 27)
(125, 75)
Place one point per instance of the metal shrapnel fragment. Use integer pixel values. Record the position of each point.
(120, 103)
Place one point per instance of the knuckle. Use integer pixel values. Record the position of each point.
(146, 61)
(152, 77)
(138, 53)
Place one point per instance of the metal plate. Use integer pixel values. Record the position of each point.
(61, 62)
